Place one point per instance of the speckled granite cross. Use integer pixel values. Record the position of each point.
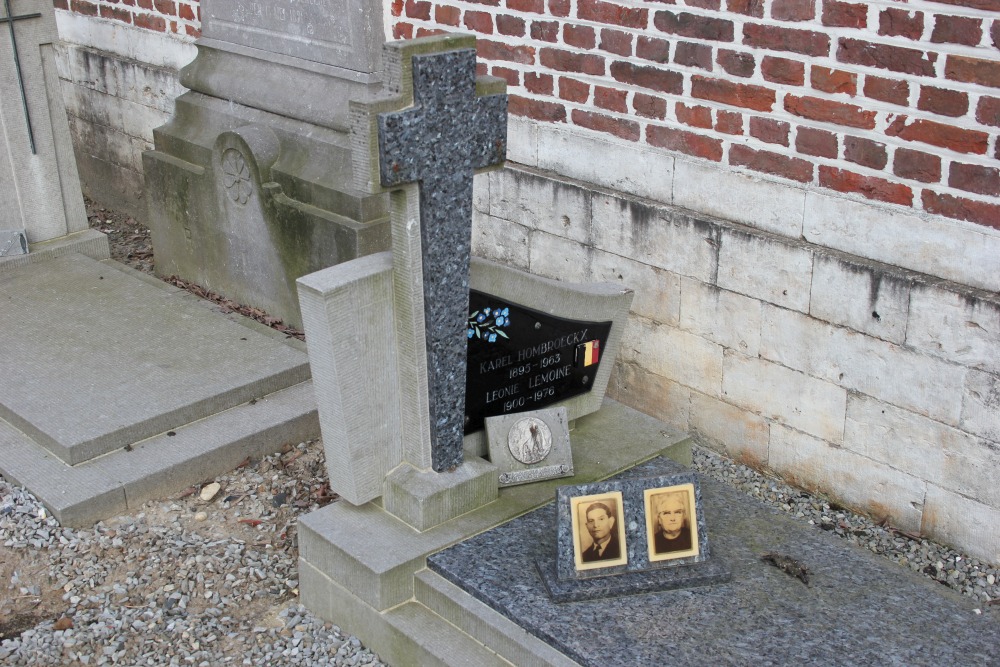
(439, 142)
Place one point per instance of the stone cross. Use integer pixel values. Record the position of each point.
(9, 19)
(439, 142)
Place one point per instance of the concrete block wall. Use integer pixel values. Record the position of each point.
(870, 382)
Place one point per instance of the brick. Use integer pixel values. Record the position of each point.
(896, 22)
(405, 31)
(793, 10)
(581, 36)
(769, 130)
(540, 84)
(951, 518)
(793, 168)
(417, 9)
(165, 7)
(943, 102)
(728, 122)
(653, 78)
(938, 134)
(491, 3)
(559, 7)
(916, 165)
(89, 9)
(820, 143)
(567, 61)
(695, 116)
(862, 296)
(511, 76)
(828, 111)
(529, 6)
(785, 396)
(650, 48)
(573, 90)
(783, 70)
(146, 4)
(865, 152)
(186, 12)
(961, 208)
(739, 433)
(885, 56)
(537, 109)
(685, 142)
(482, 69)
(545, 31)
(677, 355)
(893, 91)
(736, 63)
(481, 22)
(749, 96)
(957, 30)
(955, 326)
(988, 110)
(704, 4)
(510, 25)
(623, 129)
(649, 106)
(611, 99)
(693, 55)
(973, 70)
(606, 12)
(116, 14)
(871, 187)
(429, 32)
(150, 22)
(975, 178)
(833, 80)
(777, 38)
(694, 26)
(844, 14)
(491, 50)
(447, 15)
(61, 4)
(860, 363)
(616, 41)
(396, 7)
(753, 8)
(995, 34)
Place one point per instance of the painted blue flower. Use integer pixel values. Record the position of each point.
(480, 317)
(486, 310)
(493, 338)
(505, 312)
(500, 321)
(471, 332)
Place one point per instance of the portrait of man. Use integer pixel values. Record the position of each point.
(599, 535)
(671, 525)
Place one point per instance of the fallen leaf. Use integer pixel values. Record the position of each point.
(64, 623)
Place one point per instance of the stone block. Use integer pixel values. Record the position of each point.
(727, 318)
(522, 141)
(427, 499)
(862, 296)
(657, 292)
(558, 258)
(651, 394)
(953, 519)
(766, 205)
(963, 328)
(854, 480)
(544, 203)
(157, 50)
(500, 240)
(741, 434)
(981, 405)
(923, 448)
(861, 363)
(677, 355)
(347, 312)
(945, 248)
(784, 395)
(620, 167)
(765, 268)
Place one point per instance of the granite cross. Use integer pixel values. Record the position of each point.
(9, 19)
(439, 142)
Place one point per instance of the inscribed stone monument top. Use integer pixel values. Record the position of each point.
(9, 18)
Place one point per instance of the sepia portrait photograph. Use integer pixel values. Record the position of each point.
(598, 531)
(671, 524)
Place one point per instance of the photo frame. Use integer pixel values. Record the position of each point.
(598, 531)
(671, 522)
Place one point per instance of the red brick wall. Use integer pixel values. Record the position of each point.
(892, 101)
(180, 17)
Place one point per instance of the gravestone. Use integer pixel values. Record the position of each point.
(40, 199)
(250, 183)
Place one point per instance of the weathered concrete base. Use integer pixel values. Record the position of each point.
(359, 564)
(109, 399)
(425, 499)
(89, 242)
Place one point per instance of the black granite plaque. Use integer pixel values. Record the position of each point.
(522, 359)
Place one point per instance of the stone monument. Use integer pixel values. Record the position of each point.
(40, 199)
(250, 183)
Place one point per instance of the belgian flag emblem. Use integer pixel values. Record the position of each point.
(589, 353)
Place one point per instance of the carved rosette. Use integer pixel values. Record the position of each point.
(236, 176)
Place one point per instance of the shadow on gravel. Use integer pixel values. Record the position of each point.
(9, 629)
